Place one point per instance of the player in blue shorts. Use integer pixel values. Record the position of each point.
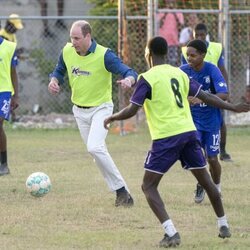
(215, 55)
(163, 92)
(207, 119)
(8, 94)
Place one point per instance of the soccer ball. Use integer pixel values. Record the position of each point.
(38, 184)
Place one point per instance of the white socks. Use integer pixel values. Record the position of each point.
(169, 228)
(222, 221)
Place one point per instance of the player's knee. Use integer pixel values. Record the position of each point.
(94, 149)
(147, 189)
(146, 192)
(212, 160)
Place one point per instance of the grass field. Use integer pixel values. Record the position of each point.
(79, 211)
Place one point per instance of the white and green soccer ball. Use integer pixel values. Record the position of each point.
(38, 184)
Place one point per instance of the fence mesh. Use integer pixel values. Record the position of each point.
(41, 52)
(237, 33)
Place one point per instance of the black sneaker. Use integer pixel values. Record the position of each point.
(224, 156)
(224, 232)
(199, 194)
(4, 169)
(173, 241)
(124, 199)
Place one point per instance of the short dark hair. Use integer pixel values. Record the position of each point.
(198, 45)
(158, 45)
(201, 26)
(86, 29)
(84, 25)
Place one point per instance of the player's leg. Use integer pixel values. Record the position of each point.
(199, 193)
(215, 170)
(60, 7)
(5, 99)
(90, 124)
(60, 10)
(44, 12)
(192, 158)
(224, 156)
(212, 151)
(205, 180)
(210, 144)
(97, 147)
(149, 187)
(163, 154)
(3, 150)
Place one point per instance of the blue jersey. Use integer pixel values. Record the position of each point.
(207, 118)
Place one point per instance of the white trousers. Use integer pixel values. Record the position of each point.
(93, 133)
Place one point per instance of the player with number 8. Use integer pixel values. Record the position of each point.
(163, 92)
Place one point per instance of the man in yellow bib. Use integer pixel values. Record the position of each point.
(90, 67)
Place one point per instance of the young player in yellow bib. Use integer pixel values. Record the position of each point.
(163, 92)
(8, 94)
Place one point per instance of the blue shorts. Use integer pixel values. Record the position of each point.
(165, 152)
(210, 142)
(5, 100)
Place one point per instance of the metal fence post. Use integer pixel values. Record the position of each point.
(150, 23)
(121, 14)
(224, 32)
(155, 17)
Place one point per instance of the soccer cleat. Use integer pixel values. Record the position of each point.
(225, 157)
(224, 232)
(124, 199)
(4, 169)
(199, 194)
(173, 241)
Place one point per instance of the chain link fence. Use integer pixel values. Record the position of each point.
(41, 51)
(228, 22)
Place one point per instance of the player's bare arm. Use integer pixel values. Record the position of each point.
(194, 100)
(215, 101)
(124, 114)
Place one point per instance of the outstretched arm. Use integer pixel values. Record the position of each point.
(124, 114)
(215, 101)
